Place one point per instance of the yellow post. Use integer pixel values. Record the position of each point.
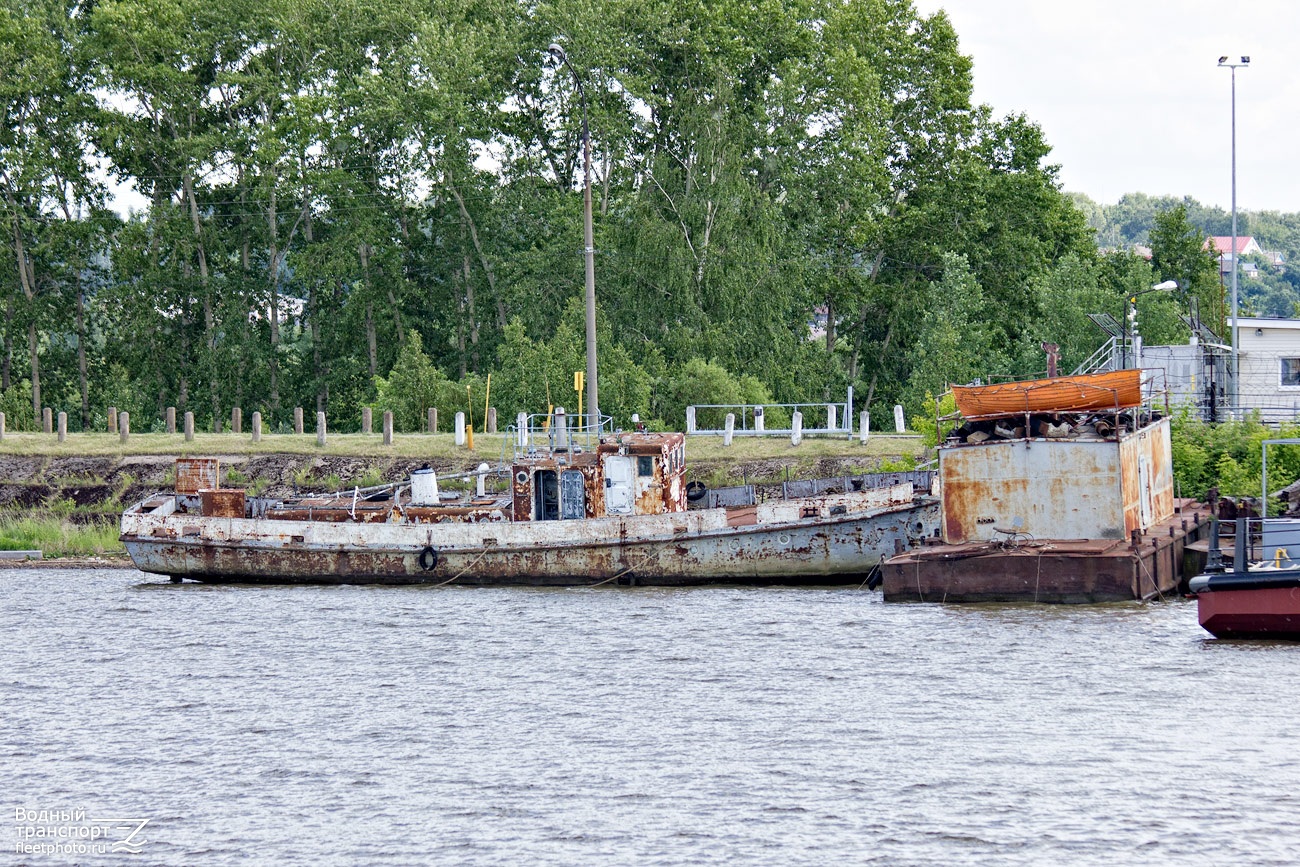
(469, 437)
(579, 377)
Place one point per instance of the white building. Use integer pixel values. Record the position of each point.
(1270, 367)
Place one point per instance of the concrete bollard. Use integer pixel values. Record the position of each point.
(560, 429)
(257, 426)
(171, 419)
(124, 426)
(864, 426)
(433, 420)
(460, 428)
(112, 419)
(297, 420)
(480, 486)
(236, 420)
(2, 426)
(832, 417)
(730, 430)
(367, 419)
(796, 432)
(388, 428)
(320, 429)
(189, 427)
(760, 423)
(900, 423)
(63, 426)
(47, 420)
(521, 430)
(492, 420)
(690, 419)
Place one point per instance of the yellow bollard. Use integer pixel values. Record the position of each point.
(469, 437)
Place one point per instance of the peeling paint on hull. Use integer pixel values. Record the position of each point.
(817, 540)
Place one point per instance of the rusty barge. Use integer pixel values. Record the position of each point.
(615, 511)
(1064, 505)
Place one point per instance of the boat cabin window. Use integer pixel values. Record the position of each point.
(645, 465)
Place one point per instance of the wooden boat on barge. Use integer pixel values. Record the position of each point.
(1110, 390)
(615, 511)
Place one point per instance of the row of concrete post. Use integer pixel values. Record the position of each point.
(120, 423)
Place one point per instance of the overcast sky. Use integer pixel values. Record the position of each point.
(1130, 97)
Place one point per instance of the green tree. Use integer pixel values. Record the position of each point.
(412, 387)
(1179, 252)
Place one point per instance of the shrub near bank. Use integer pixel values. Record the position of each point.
(1228, 456)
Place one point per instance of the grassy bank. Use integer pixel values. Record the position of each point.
(58, 536)
(487, 447)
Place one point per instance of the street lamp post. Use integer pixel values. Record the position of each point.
(1135, 339)
(1236, 354)
(589, 249)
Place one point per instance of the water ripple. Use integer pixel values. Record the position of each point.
(342, 726)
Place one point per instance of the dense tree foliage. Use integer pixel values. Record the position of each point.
(1272, 290)
(380, 204)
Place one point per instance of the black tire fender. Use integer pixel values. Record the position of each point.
(696, 491)
(428, 558)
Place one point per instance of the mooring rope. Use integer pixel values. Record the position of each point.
(644, 560)
(475, 562)
(1155, 552)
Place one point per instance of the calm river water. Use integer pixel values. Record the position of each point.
(635, 726)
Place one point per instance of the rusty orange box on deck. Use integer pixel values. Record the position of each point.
(222, 503)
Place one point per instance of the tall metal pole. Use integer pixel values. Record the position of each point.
(1236, 351)
(589, 248)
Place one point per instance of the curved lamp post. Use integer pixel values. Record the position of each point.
(1236, 356)
(589, 250)
(1134, 338)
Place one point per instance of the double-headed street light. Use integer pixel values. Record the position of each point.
(1236, 356)
(593, 411)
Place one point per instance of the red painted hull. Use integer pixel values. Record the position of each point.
(1264, 612)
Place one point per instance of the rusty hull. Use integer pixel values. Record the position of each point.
(1049, 570)
(832, 538)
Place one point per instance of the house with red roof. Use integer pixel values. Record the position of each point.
(1246, 244)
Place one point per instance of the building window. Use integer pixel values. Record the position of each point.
(645, 466)
(1290, 372)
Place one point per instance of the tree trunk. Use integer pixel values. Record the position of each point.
(371, 341)
(32, 345)
(6, 364)
(830, 326)
(272, 227)
(83, 380)
(209, 314)
(482, 256)
(875, 373)
(27, 279)
(460, 320)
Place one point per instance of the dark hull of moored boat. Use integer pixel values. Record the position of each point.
(1261, 604)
